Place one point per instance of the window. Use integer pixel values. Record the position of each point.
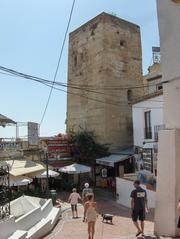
(147, 121)
(159, 87)
(82, 56)
(122, 43)
(129, 95)
(92, 32)
(75, 61)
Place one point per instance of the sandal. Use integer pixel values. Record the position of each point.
(138, 233)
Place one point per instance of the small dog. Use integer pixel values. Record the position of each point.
(107, 217)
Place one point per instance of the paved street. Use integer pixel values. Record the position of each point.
(69, 228)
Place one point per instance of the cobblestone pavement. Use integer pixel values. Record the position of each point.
(122, 227)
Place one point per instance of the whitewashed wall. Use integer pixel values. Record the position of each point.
(168, 178)
(168, 17)
(169, 27)
(156, 106)
(124, 188)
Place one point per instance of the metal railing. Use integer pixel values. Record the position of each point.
(157, 128)
(148, 133)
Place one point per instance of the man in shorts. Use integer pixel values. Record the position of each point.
(73, 200)
(138, 207)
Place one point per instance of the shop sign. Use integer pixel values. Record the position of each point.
(33, 133)
(58, 148)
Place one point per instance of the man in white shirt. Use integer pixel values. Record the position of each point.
(73, 200)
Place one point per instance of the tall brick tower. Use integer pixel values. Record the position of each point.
(104, 60)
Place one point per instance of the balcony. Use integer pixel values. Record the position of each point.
(148, 133)
(157, 128)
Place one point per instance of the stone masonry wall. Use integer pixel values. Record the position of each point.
(104, 57)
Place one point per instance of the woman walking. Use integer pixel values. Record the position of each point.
(90, 214)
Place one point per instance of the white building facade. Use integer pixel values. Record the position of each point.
(147, 121)
(168, 180)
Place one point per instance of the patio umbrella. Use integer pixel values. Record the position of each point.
(19, 180)
(75, 169)
(43, 174)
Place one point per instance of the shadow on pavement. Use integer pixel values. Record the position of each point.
(106, 202)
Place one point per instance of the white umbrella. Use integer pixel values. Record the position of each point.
(75, 169)
(19, 180)
(43, 174)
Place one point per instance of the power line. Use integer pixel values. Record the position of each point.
(114, 103)
(50, 84)
(69, 85)
(59, 60)
(83, 87)
(83, 96)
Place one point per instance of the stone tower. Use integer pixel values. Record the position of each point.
(105, 61)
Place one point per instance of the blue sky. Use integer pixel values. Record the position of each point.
(31, 36)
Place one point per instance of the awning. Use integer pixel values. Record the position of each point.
(111, 160)
(75, 169)
(126, 151)
(21, 167)
(19, 180)
(43, 174)
(5, 120)
(59, 164)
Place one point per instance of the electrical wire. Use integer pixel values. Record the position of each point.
(82, 87)
(115, 87)
(50, 84)
(58, 64)
(97, 100)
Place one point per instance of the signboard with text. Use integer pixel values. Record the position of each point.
(33, 133)
(58, 147)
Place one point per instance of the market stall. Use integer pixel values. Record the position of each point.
(74, 175)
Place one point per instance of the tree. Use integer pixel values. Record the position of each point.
(85, 148)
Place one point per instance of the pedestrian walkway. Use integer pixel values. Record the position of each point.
(122, 226)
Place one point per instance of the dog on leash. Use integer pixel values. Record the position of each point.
(107, 217)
